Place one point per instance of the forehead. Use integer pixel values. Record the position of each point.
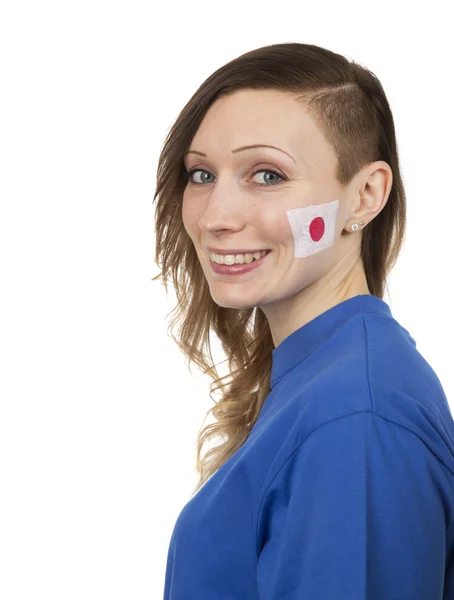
(261, 117)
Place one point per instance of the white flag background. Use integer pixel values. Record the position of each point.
(313, 227)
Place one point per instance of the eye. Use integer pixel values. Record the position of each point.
(273, 173)
(188, 176)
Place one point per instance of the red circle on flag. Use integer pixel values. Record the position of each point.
(317, 228)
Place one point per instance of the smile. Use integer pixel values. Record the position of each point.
(238, 268)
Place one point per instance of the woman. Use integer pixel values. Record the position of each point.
(280, 213)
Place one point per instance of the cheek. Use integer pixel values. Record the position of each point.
(189, 217)
(278, 228)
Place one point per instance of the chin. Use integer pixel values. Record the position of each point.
(237, 304)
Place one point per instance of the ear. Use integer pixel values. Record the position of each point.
(372, 192)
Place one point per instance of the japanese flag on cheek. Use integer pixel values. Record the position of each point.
(313, 227)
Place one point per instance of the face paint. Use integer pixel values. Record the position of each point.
(313, 227)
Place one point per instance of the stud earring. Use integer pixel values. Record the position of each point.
(355, 226)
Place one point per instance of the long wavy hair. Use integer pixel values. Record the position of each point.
(350, 107)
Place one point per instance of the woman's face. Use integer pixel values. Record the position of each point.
(239, 205)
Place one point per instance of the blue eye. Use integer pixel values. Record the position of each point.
(188, 176)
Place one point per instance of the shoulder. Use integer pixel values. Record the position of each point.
(381, 358)
(375, 367)
(396, 369)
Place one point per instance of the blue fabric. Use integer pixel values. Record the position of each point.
(344, 489)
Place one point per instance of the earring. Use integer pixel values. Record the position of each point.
(355, 226)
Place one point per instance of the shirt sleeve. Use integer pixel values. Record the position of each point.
(355, 513)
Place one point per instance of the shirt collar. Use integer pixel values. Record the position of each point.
(299, 344)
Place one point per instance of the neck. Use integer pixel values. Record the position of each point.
(288, 315)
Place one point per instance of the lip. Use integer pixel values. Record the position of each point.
(234, 251)
(237, 269)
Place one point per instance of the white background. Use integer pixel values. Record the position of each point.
(98, 412)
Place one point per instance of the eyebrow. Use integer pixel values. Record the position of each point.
(244, 148)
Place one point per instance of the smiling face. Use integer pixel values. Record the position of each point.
(232, 201)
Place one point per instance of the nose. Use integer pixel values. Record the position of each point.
(221, 215)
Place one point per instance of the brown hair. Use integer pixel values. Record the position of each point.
(350, 107)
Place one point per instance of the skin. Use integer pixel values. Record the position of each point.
(227, 211)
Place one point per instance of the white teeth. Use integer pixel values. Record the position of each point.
(230, 259)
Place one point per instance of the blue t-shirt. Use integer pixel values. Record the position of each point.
(344, 489)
